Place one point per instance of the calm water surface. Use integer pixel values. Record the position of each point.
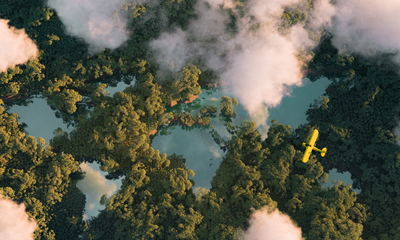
(202, 153)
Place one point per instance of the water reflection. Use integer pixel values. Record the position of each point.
(196, 144)
(343, 177)
(201, 149)
(42, 121)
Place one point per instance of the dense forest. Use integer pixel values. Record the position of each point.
(355, 118)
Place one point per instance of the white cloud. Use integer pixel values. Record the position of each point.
(271, 226)
(170, 51)
(14, 221)
(259, 66)
(261, 72)
(93, 20)
(322, 14)
(208, 33)
(15, 46)
(368, 27)
(260, 117)
(267, 11)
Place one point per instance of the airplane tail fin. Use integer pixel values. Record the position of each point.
(323, 152)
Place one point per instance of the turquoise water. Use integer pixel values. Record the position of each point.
(202, 153)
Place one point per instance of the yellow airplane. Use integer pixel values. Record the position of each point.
(310, 147)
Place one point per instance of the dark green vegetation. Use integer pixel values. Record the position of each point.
(355, 119)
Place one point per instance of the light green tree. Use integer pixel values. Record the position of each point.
(226, 106)
(155, 201)
(31, 173)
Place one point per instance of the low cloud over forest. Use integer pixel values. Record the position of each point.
(260, 52)
(15, 46)
(259, 61)
(99, 23)
(369, 28)
(15, 224)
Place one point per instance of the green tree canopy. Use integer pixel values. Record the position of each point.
(31, 173)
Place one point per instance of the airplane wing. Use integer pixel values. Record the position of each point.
(313, 138)
(307, 153)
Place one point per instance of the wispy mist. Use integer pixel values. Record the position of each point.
(266, 11)
(94, 21)
(208, 39)
(259, 63)
(14, 221)
(15, 46)
(366, 27)
(169, 51)
(271, 226)
(265, 67)
(205, 38)
(322, 14)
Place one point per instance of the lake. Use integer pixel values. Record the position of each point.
(202, 153)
